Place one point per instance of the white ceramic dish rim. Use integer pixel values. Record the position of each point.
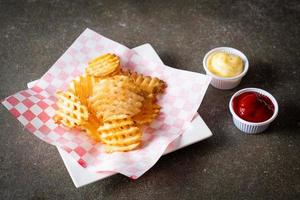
(245, 59)
(261, 91)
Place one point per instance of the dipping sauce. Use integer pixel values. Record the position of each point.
(224, 64)
(253, 107)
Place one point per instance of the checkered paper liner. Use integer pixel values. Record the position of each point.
(35, 107)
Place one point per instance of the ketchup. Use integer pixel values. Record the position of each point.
(253, 107)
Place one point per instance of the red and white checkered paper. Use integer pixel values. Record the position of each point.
(35, 107)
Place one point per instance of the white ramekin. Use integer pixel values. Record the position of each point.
(221, 82)
(252, 127)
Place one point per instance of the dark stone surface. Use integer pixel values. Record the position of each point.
(230, 165)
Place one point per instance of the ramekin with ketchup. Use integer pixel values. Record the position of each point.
(253, 110)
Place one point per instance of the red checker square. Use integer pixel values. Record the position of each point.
(80, 151)
(30, 127)
(27, 103)
(12, 100)
(39, 96)
(14, 112)
(44, 129)
(42, 105)
(82, 163)
(52, 98)
(59, 130)
(25, 94)
(43, 117)
(67, 149)
(37, 89)
(29, 115)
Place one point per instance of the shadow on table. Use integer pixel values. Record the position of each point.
(287, 121)
(260, 75)
(169, 60)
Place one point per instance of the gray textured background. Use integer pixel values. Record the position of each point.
(230, 165)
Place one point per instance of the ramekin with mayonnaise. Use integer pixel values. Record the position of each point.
(227, 66)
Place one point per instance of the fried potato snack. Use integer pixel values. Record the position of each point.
(104, 65)
(109, 104)
(116, 95)
(91, 126)
(70, 112)
(149, 112)
(119, 133)
(151, 85)
(82, 87)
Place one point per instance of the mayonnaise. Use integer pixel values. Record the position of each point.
(225, 65)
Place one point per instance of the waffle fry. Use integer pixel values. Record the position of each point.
(116, 95)
(103, 65)
(71, 112)
(91, 126)
(149, 111)
(151, 85)
(82, 87)
(119, 133)
(109, 104)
